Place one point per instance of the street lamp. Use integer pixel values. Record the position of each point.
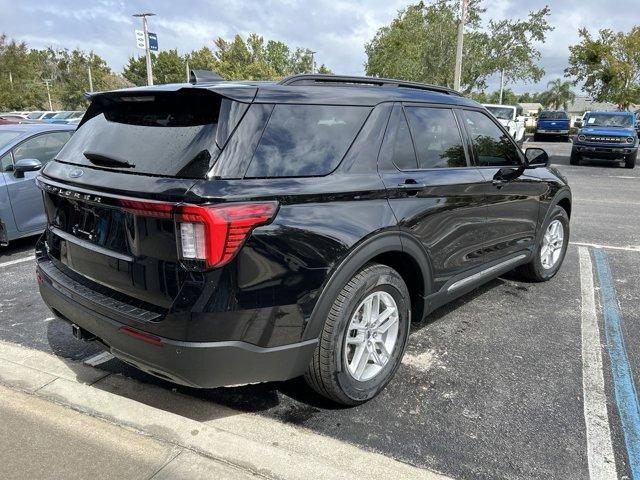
(313, 61)
(146, 44)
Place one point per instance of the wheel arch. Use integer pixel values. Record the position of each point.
(393, 248)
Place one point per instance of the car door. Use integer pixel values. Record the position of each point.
(433, 189)
(512, 195)
(24, 195)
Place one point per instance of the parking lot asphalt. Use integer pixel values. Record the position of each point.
(491, 385)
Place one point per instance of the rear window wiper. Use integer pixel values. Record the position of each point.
(104, 161)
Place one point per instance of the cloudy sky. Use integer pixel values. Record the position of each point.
(336, 29)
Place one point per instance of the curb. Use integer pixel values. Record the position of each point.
(250, 442)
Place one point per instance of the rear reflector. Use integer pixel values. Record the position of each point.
(145, 337)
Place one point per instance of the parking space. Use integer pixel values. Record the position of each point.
(491, 385)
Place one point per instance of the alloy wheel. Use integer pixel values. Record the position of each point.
(371, 336)
(552, 244)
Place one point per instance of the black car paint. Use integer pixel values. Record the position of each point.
(277, 289)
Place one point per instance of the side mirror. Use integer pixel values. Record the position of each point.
(26, 165)
(536, 157)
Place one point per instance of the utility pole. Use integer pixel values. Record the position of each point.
(501, 84)
(313, 61)
(146, 44)
(457, 73)
(188, 72)
(90, 79)
(46, 82)
(11, 80)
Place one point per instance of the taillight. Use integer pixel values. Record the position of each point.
(210, 235)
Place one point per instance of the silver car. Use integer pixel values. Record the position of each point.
(24, 149)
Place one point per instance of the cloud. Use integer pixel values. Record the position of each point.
(336, 29)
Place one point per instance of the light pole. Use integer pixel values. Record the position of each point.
(313, 61)
(146, 44)
(457, 73)
(46, 82)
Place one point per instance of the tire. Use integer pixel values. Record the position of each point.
(575, 158)
(329, 373)
(535, 270)
(630, 161)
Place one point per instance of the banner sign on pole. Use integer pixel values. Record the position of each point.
(153, 42)
(140, 39)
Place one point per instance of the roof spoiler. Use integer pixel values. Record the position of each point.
(204, 76)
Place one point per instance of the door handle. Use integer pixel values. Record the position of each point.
(411, 184)
(498, 182)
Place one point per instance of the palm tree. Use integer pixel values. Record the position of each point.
(558, 94)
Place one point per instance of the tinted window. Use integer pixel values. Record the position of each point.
(43, 147)
(403, 153)
(493, 147)
(436, 137)
(167, 134)
(305, 140)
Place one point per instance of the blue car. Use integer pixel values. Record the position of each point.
(607, 136)
(552, 124)
(24, 149)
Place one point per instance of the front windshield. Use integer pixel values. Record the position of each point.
(60, 115)
(6, 137)
(34, 115)
(609, 120)
(502, 113)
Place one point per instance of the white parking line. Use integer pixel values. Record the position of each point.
(602, 464)
(96, 360)
(19, 260)
(628, 248)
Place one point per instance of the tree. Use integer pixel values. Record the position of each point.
(72, 80)
(419, 44)
(169, 67)
(136, 70)
(558, 94)
(608, 67)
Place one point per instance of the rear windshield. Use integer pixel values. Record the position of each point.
(306, 140)
(164, 133)
(553, 116)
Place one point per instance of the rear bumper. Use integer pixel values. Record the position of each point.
(546, 131)
(610, 153)
(195, 364)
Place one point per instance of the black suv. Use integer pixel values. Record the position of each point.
(223, 233)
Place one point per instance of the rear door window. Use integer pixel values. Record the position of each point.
(305, 140)
(436, 137)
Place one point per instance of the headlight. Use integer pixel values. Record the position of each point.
(630, 140)
(582, 138)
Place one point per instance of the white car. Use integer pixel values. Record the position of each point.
(510, 118)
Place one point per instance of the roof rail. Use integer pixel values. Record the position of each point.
(323, 79)
(204, 76)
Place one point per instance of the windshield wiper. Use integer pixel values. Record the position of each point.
(104, 161)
